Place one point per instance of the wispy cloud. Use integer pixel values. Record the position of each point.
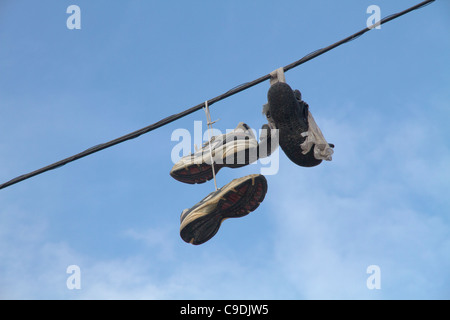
(375, 206)
(34, 267)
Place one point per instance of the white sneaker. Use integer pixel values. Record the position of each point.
(234, 200)
(235, 149)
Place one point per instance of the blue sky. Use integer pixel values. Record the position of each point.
(382, 99)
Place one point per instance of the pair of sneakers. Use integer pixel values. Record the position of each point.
(290, 125)
(236, 199)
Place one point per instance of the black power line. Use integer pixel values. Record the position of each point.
(225, 95)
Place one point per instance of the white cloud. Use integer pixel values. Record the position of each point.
(161, 240)
(31, 268)
(34, 267)
(376, 207)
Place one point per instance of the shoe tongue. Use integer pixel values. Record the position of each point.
(245, 128)
(183, 214)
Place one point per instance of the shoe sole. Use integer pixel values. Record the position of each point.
(237, 199)
(197, 173)
(284, 109)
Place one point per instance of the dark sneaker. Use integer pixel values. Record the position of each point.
(236, 199)
(234, 149)
(290, 115)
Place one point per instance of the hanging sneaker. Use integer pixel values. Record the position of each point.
(236, 199)
(299, 136)
(234, 149)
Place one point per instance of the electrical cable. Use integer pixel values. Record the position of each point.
(223, 96)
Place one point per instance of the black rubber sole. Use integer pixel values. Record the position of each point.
(290, 117)
(201, 173)
(234, 203)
